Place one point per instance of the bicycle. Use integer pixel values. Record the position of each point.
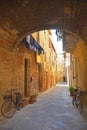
(78, 99)
(11, 104)
(82, 95)
(75, 97)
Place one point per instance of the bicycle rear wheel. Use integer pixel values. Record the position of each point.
(8, 109)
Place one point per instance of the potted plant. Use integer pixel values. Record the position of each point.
(33, 98)
(71, 90)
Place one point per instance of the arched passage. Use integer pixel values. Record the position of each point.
(69, 39)
(20, 18)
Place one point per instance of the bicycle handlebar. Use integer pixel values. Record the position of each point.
(12, 90)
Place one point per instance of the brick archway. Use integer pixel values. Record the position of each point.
(69, 39)
(20, 17)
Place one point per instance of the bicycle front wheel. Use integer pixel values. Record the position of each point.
(8, 109)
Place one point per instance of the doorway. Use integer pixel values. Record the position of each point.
(40, 77)
(26, 77)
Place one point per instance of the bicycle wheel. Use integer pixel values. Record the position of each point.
(8, 109)
(80, 108)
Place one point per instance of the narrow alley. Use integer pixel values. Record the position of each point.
(53, 110)
(43, 43)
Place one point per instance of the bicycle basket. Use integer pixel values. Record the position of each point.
(7, 97)
(18, 96)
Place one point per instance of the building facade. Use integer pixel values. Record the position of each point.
(78, 66)
(47, 60)
(28, 68)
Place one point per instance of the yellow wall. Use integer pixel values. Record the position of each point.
(48, 59)
(80, 52)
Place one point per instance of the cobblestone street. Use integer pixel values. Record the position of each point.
(52, 111)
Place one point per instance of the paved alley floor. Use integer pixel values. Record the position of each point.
(52, 111)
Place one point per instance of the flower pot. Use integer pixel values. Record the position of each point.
(32, 99)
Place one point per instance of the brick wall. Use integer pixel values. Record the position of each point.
(18, 66)
(12, 70)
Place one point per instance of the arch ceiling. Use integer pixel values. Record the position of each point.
(20, 17)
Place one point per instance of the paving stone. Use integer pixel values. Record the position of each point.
(52, 111)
